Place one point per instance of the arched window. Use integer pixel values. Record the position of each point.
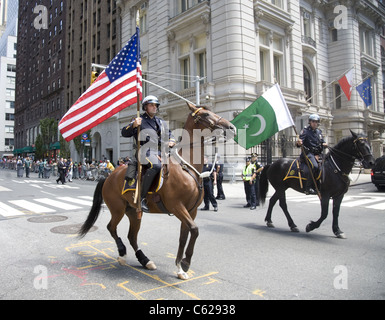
(307, 83)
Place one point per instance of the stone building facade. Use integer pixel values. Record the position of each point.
(240, 48)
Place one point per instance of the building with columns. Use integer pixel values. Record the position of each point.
(239, 49)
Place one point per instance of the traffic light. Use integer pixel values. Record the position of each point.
(94, 76)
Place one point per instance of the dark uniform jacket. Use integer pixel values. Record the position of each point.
(312, 140)
(154, 134)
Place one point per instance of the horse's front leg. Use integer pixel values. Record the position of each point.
(324, 213)
(336, 211)
(133, 238)
(187, 226)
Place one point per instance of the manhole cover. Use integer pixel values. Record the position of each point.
(47, 219)
(70, 229)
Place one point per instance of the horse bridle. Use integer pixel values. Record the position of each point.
(208, 124)
(360, 156)
(363, 156)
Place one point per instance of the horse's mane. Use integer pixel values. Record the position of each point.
(346, 139)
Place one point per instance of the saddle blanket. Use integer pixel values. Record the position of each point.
(298, 166)
(157, 184)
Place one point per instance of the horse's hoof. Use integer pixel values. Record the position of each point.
(150, 265)
(308, 228)
(122, 261)
(294, 229)
(270, 224)
(340, 235)
(183, 275)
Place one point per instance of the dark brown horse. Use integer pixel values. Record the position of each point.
(181, 192)
(337, 165)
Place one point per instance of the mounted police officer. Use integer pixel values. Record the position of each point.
(153, 134)
(313, 143)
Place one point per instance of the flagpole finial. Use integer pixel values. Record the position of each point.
(137, 18)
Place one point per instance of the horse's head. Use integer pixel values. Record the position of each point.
(362, 150)
(206, 119)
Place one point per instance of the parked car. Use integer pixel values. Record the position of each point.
(378, 173)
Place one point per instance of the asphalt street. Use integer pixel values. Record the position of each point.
(236, 256)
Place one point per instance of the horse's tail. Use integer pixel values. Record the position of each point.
(263, 184)
(95, 210)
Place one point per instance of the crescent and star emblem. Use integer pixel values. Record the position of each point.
(263, 125)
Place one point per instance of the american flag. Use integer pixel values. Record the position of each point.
(117, 87)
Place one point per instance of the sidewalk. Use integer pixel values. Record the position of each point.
(236, 190)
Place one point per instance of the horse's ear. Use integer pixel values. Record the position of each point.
(353, 134)
(191, 107)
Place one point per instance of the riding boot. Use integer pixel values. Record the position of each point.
(130, 173)
(309, 186)
(148, 178)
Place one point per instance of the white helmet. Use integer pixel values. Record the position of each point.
(150, 99)
(314, 117)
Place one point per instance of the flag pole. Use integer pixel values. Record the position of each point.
(139, 179)
(330, 83)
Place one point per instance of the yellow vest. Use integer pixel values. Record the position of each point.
(248, 172)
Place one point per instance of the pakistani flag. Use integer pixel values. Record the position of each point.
(262, 119)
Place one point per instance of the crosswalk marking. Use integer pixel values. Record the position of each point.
(366, 200)
(4, 189)
(378, 206)
(30, 206)
(7, 211)
(58, 204)
(77, 201)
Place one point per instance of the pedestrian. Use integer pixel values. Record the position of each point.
(110, 167)
(19, 168)
(41, 168)
(246, 176)
(27, 166)
(208, 186)
(62, 171)
(69, 166)
(47, 169)
(219, 170)
(250, 173)
(255, 177)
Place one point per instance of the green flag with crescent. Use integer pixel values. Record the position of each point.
(262, 119)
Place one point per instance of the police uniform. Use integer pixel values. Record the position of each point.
(219, 170)
(250, 188)
(209, 189)
(154, 138)
(312, 143)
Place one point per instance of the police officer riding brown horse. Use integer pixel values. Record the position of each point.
(181, 192)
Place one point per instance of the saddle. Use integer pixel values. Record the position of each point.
(299, 169)
(155, 187)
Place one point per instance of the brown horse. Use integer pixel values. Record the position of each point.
(181, 192)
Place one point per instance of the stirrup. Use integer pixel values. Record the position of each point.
(144, 206)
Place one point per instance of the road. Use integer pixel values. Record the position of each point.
(236, 256)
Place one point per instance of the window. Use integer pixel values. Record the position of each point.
(201, 66)
(277, 68)
(9, 117)
(9, 129)
(307, 83)
(337, 95)
(9, 142)
(366, 41)
(263, 64)
(185, 71)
